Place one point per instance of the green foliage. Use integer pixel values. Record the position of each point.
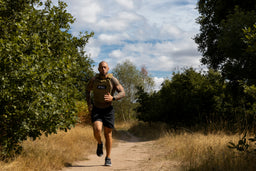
(240, 64)
(227, 42)
(250, 38)
(130, 77)
(149, 108)
(200, 99)
(83, 112)
(248, 121)
(42, 67)
(190, 98)
(221, 34)
(242, 144)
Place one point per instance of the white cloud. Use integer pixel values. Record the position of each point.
(129, 16)
(112, 25)
(170, 30)
(116, 54)
(86, 11)
(112, 39)
(109, 39)
(127, 4)
(164, 56)
(158, 82)
(157, 34)
(182, 14)
(119, 22)
(92, 49)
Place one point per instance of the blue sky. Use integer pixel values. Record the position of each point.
(157, 34)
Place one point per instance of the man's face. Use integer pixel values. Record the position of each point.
(103, 68)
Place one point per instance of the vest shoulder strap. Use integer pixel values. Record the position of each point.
(109, 76)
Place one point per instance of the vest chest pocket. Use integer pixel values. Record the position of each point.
(102, 87)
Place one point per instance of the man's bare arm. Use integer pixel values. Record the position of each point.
(121, 92)
(119, 88)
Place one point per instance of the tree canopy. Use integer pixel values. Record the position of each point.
(221, 37)
(43, 69)
(130, 78)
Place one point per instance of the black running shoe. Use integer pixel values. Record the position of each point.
(99, 151)
(107, 161)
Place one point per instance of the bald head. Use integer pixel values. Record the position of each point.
(102, 62)
(103, 68)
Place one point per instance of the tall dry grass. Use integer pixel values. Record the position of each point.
(189, 150)
(197, 151)
(148, 131)
(54, 151)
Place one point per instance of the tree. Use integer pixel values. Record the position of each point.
(149, 106)
(42, 67)
(130, 77)
(190, 98)
(249, 121)
(250, 38)
(220, 37)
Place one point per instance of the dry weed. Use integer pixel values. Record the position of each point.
(198, 151)
(83, 112)
(52, 152)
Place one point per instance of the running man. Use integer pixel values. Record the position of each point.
(103, 86)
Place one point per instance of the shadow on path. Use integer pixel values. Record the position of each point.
(139, 133)
(125, 136)
(69, 165)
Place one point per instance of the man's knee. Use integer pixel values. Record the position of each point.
(107, 132)
(97, 127)
(97, 130)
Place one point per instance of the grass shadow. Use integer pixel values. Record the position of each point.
(69, 165)
(140, 131)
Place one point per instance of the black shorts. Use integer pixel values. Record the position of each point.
(106, 116)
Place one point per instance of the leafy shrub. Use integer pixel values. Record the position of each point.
(42, 70)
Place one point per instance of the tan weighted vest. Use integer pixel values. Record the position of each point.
(100, 88)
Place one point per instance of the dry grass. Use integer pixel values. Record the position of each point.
(194, 150)
(187, 150)
(148, 131)
(83, 112)
(54, 151)
(125, 125)
(197, 151)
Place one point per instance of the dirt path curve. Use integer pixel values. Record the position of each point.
(129, 154)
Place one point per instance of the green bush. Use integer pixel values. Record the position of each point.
(42, 70)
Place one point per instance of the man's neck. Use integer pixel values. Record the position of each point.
(103, 76)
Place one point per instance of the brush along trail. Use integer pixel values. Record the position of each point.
(128, 153)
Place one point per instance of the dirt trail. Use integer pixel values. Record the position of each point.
(129, 154)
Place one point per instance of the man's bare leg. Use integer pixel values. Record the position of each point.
(97, 128)
(108, 137)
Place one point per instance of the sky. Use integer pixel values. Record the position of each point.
(157, 34)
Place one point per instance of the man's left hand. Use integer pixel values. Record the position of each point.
(108, 97)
